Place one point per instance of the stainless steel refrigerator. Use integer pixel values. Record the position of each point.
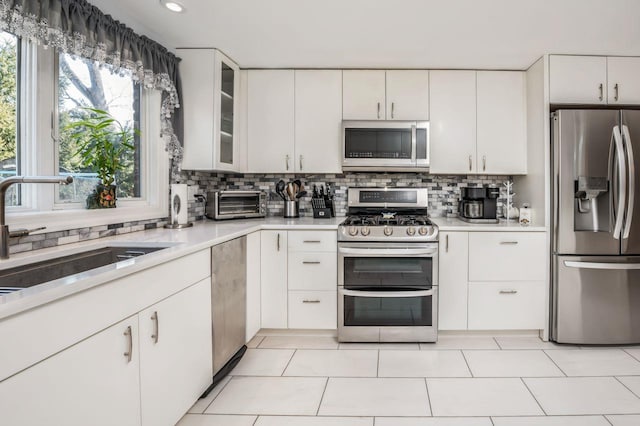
(595, 296)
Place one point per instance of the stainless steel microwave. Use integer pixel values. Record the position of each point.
(394, 146)
(236, 204)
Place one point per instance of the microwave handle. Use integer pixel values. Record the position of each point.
(387, 294)
(414, 142)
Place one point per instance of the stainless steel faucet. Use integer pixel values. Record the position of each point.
(4, 228)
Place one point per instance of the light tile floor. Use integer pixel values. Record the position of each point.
(462, 380)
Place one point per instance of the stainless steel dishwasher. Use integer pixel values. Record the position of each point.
(228, 305)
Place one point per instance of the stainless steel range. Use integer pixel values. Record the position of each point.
(387, 267)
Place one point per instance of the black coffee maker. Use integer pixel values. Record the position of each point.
(479, 205)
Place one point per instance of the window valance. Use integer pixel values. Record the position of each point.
(79, 28)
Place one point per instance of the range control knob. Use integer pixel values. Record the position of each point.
(353, 231)
(411, 231)
(423, 230)
(388, 231)
(365, 231)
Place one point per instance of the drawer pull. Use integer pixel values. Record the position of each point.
(312, 241)
(511, 243)
(310, 301)
(508, 291)
(309, 262)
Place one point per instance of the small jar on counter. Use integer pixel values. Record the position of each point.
(525, 215)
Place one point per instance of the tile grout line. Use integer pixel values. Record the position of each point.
(326, 384)
(259, 343)
(607, 420)
(630, 354)
(288, 362)
(533, 396)
(214, 398)
(426, 385)
(467, 363)
(627, 387)
(554, 363)
(498, 343)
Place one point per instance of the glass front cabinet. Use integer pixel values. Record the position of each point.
(210, 92)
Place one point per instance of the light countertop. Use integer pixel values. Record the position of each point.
(179, 243)
(183, 242)
(454, 224)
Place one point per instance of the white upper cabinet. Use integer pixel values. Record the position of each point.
(318, 121)
(271, 118)
(501, 131)
(453, 122)
(363, 95)
(385, 95)
(210, 89)
(407, 95)
(577, 79)
(624, 80)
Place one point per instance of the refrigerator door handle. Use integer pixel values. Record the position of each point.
(622, 189)
(626, 137)
(601, 265)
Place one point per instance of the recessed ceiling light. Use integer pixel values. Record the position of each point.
(173, 6)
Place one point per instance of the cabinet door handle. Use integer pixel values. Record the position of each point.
(278, 242)
(286, 159)
(484, 163)
(508, 242)
(310, 262)
(310, 301)
(312, 241)
(615, 88)
(446, 244)
(393, 109)
(156, 322)
(301, 157)
(129, 334)
(470, 165)
(508, 291)
(601, 97)
(378, 110)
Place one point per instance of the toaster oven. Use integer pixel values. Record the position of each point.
(223, 205)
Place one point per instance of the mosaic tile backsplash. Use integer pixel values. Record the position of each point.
(444, 195)
(444, 191)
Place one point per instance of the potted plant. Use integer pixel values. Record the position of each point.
(102, 140)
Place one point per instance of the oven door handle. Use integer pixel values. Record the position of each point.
(387, 294)
(388, 252)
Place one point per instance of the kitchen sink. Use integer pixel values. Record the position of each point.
(25, 276)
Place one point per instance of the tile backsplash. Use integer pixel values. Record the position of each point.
(444, 191)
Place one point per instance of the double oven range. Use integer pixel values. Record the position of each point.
(387, 267)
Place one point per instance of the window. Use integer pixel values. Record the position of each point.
(9, 137)
(85, 84)
(45, 84)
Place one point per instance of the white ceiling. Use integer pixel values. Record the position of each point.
(487, 34)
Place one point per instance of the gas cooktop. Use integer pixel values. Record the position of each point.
(387, 214)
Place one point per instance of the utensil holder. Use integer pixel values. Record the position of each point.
(291, 209)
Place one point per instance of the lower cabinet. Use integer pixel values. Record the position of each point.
(507, 306)
(145, 370)
(492, 281)
(96, 381)
(299, 279)
(313, 309)
(273, 276)
(175, 354)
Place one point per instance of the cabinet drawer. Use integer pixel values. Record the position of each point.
(506, 306)
(313, 309)
(313, 241)
(313, 271)
(507, 256)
